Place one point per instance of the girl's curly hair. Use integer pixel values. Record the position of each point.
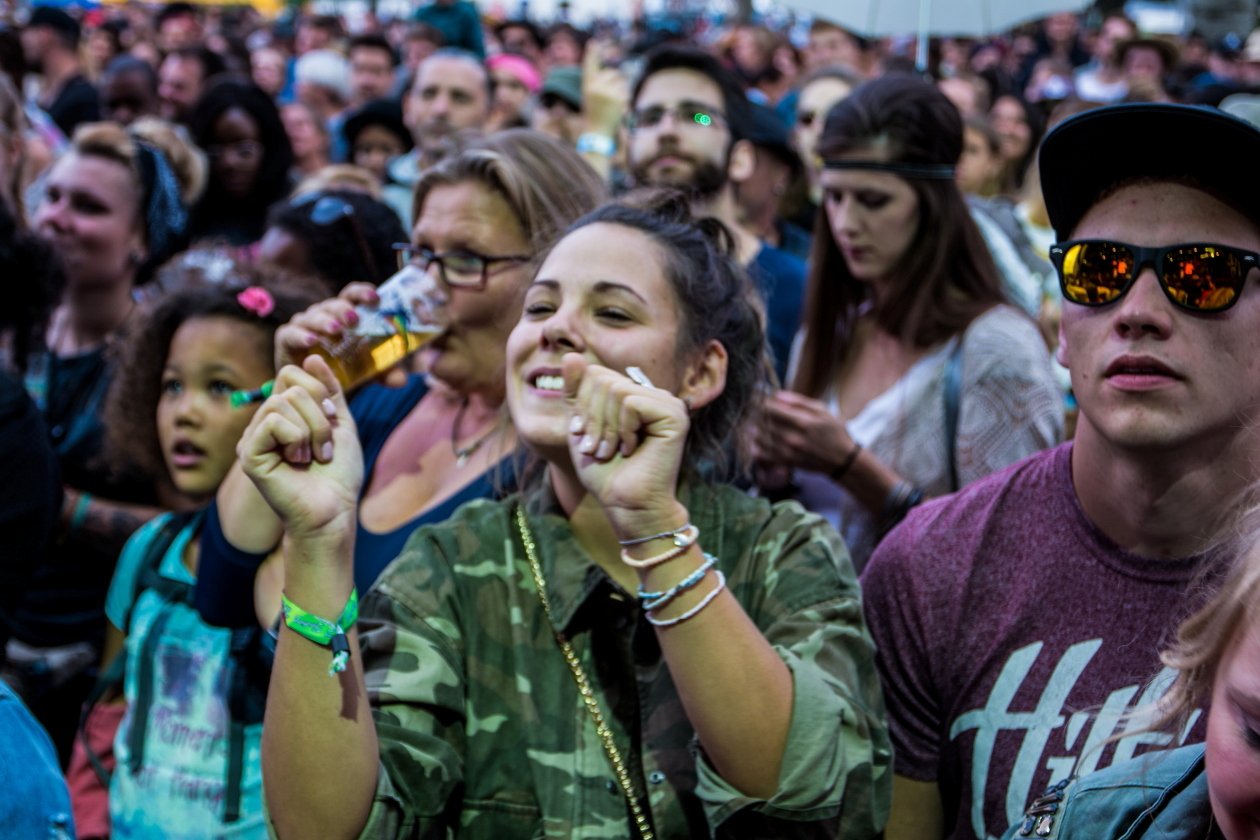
(131, 405)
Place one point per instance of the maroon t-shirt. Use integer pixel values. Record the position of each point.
(1004, 621)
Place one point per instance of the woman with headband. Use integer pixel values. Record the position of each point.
(912, 375)
(114, 209)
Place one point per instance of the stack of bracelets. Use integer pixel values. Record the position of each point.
(683, 539)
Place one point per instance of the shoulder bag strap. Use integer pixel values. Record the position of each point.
(953, 399)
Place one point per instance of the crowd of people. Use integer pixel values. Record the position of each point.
(814, 444)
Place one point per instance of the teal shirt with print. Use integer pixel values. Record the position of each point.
(178, 793)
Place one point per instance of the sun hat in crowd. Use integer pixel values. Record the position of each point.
(565, 84)
(1087, 155)
(325, 68)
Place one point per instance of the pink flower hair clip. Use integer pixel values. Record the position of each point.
(257, 300)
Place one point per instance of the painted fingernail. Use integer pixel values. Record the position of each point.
(303, 454)
(575, 424)
(352, 317)
(329, 408)
(603, 450)
(334, 326)
(311, 340)
(587, 445)
(326, 451)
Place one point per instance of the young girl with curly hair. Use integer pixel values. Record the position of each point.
(187, 746)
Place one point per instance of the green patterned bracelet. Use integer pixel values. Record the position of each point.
(323, 632)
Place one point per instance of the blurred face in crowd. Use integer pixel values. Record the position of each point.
(832, 46)
(519, 40)
(963, 94)
(669, 144)
(311, 37)
(179, 86)
(449, 94)
(816, 99)
(979, 165)
(563, 50)
(1142, 63)
(374, 147)
(557, 118)
(1010, 122)
(304, 131)
(510, 93)
(236, 153)
(371, 74)
(126, 96)
(91, 216)
(267, 67)
(1110, 34)
(1061, 28)
(179, 31)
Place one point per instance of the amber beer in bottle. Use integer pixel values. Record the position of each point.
(411, 313)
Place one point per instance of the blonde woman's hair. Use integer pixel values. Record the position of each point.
(545, 182)
(1205, 637)
(113, 142)
(339, 176)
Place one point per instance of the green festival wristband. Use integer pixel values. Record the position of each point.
(323, 632)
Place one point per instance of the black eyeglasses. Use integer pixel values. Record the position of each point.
(325, 211)
(458, 269)
(685, 113)
(1198, 276)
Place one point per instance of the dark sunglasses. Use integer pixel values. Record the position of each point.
(1197, 276)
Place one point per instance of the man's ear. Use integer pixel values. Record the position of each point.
(743, 162)
(705, 377)
(1061, 352)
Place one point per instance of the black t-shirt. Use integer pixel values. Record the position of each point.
(30, 494)
(64, 601)
(77, 102)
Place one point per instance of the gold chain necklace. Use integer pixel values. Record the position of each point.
(584, 685)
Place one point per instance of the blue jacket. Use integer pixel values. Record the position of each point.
(1160, 795)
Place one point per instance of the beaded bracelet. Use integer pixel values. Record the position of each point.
(323, 632)
(684, 539)
(694, 611)
(662, 535)
(656, 600)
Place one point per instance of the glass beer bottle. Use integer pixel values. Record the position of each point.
(411, 313)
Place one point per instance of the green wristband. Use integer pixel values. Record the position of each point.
(79, 515)
(323, 632)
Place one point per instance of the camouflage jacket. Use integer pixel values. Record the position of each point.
(483, 733)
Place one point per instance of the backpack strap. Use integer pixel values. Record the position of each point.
(953, 400)
(111, 679)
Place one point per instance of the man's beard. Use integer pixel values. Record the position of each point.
(706, 182)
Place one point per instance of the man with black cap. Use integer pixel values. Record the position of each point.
(1016, 619)
(50, 43)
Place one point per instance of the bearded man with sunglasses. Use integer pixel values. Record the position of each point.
(1016, 619)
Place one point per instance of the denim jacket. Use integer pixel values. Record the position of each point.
(1162, 795)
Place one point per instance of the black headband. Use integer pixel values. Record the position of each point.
(925, 171)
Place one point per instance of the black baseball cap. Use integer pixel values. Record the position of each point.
(1087, 155)
(56, 20)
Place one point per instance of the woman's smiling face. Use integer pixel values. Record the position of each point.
(603, 293)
